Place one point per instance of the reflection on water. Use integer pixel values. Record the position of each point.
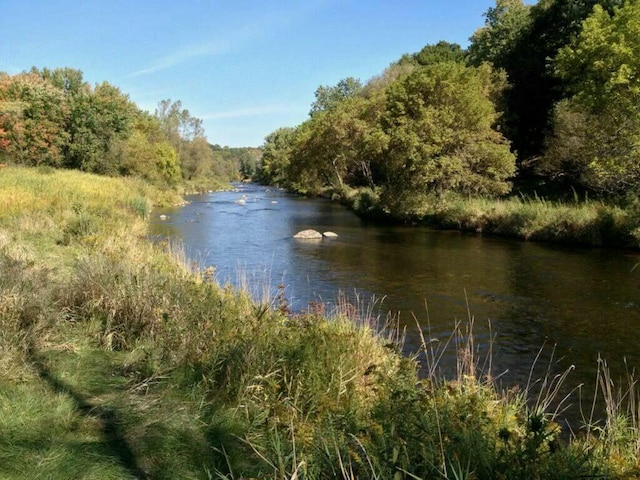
(585, 302)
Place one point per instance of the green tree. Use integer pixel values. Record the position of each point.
(596, 141)
(328, 97)
(177, 123)
(439, 122)
(148, 154)
(504, 26)
(276, 156)
(522, 40)
(186, 134)
(340, 146)
(101, 119)
(440, 52)
(196, 159)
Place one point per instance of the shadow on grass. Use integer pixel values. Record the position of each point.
(115, 441)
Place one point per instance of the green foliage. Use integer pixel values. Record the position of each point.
(100, 119)
(276, 156)
(523, 40)
(597, 130)
(438, 53)
(439, 121)
(328, 97)
(418, 129)
(54, 118)
(202, 165)
(504, 25)
(338, 147)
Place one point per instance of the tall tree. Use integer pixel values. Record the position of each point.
(329, 146)
(504, 25)
(148, 154)
(522, 40)
(596, 141)
(186, 134)
(100, 120)
(439, 121)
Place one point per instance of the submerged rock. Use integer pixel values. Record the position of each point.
(308, 234)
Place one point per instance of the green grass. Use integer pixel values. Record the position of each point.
(118, 360)
(590, 223)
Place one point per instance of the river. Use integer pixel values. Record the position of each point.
(564, 306)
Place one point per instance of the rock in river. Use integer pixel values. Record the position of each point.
(330, 234)
(308, 234)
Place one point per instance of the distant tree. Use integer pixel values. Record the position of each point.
(328, 97)
(340, 146)
(149, 154)
(196, 159)
(248, 164)
(100, 120)
(276, 156)
(440, 52)
(440, 138)
(186, 134)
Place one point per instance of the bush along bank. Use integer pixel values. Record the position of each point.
(119, 360)
(587, 223)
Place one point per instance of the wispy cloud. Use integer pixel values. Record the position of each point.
(249, 112)
(252, 29)
(182, 56)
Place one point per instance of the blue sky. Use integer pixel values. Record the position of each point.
(244, 67)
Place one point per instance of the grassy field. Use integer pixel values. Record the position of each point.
(119, 360)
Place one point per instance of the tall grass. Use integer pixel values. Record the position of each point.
(120, 360)
(587, 222)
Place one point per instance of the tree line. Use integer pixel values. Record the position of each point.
(546, 98)
(54, 118)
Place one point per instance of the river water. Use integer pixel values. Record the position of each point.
(565, 307)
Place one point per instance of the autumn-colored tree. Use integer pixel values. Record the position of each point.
(33, 113)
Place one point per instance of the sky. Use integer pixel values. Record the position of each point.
(245, 67)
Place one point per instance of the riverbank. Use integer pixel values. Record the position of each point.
(119, 360)
(585, 223)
